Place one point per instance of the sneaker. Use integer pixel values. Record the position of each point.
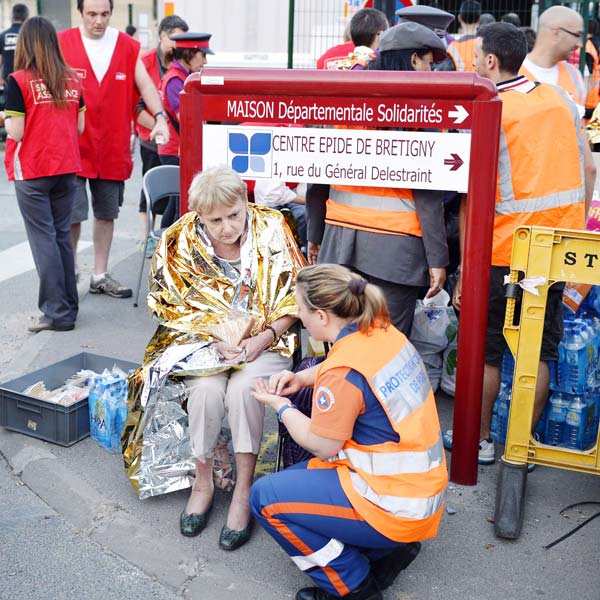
(45, 324)
(109, 286)
(487, 450)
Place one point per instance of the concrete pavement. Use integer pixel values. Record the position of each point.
(70, 521)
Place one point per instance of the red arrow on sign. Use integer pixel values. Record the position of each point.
(455, 162)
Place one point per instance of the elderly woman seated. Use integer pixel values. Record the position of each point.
(222, 287)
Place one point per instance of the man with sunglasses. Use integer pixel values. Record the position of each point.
(561, 31)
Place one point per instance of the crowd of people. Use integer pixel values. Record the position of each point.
(354, 515)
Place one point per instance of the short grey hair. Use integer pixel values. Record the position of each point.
(216, 186)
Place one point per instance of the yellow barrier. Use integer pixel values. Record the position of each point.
(543, 256)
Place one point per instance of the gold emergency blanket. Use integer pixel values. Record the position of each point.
(191, 291)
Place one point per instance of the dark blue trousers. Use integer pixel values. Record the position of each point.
(308, 514)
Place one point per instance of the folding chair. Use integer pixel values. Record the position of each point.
(159, 184)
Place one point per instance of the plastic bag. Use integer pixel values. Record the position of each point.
(432, 317)
(448, 382)
(108, 408)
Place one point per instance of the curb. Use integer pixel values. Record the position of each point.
(107, 524)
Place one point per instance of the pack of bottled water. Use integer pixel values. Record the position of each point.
(570, 418)
(108, 408)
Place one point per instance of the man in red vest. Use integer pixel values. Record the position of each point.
(109, 65)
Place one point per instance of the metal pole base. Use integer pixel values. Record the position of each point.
(510, 500)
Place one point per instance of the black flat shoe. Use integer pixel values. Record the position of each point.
(367, 590)
(192, 525)
(386, 569)
(230, 539)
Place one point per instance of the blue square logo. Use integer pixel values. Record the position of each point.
(250, 153)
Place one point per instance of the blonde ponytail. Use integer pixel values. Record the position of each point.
(347, 295)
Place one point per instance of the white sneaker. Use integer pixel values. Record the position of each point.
(487, 450)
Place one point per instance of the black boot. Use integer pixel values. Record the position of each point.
(367, 590)
(386, 569)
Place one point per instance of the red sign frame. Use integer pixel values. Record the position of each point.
(205, 99)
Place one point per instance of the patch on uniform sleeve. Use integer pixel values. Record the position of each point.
(325, 399)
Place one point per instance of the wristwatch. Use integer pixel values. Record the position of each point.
(282, 409)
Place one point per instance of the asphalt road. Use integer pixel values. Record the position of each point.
(71, 526)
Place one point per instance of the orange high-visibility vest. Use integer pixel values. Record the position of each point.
(593, 84)
(569, 79)
(540, 165)
(397, 487)
(379, 210)
(462, 53)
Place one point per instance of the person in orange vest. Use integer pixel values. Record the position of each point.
(461, 49)
(353, 517)
(560, 32)
(593, 65)
(189, 56)
(544, 178)
(394, 237)
(45, 115)
(157, 62)
(110, 67)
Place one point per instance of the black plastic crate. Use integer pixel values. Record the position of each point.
(63, 425)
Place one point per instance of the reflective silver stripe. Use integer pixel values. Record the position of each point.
(456, 57)
(399, 506)
(386, 203)
(402, 384)
(394, 463)
(530, 205)
(577, 81)
(508, 204)
(320, 558)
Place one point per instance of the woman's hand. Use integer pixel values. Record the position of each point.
(262, 393)
(285, 383)
(228, 352)
(312, 253)
(257, 344)
(437, 278)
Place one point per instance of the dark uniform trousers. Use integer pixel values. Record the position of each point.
(46, 204)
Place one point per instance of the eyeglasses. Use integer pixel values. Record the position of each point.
(578, 35)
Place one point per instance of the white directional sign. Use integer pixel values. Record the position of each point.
(379, 158)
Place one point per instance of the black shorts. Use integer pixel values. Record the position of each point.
(107, 198)
(495, 343)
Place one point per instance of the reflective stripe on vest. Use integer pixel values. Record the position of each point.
(394, 463)
(399, 506)
(381, 211)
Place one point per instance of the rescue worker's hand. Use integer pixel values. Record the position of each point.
(160, 131)
(228, 352)
(312, 252)
(437, 278)
(456, 293)
(262, 393)
(257, 344)
(285, 383)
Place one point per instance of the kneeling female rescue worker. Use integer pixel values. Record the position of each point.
(354, 516)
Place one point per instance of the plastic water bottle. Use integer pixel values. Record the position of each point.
(503, 407)
(575, 422)
(573, 360)
(555, 424)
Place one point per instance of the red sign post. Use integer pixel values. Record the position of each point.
(379, 100)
